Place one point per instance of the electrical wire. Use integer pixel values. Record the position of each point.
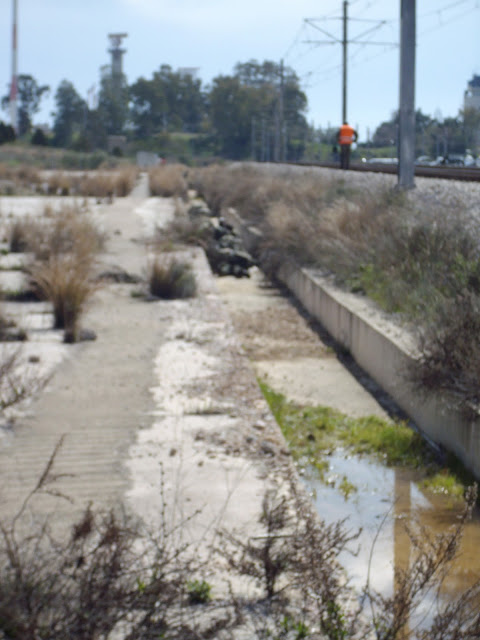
(445, 8)
(450, 20)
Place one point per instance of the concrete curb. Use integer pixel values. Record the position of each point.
(382, 351)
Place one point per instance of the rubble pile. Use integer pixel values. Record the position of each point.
(224, 247)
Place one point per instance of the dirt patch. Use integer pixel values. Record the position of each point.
(288, 353)
(269, 325)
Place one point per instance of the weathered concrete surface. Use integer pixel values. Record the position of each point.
(163, 388)
(387, 353)
(287, 353)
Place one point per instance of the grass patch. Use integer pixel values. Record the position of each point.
(314, 432)
(444, 483)
(199, 591)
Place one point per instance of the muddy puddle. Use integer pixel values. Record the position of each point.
(380, 501)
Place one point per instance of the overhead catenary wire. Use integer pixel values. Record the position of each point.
(388, 47)
(327, 65)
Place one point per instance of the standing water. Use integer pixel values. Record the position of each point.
(293, 360)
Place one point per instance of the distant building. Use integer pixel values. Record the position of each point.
(472, 94)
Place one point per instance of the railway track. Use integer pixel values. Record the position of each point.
(467, 174)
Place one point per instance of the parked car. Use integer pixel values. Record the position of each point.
(423, 160)
(383, 160)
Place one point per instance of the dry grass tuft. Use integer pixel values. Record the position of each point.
(21, 233)
(97, 184)
(168, 181)
(124, 181)
(67, 231)
(18, 179)
(170, 279)
(64, 248)
(65, 281)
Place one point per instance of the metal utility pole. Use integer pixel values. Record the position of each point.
(344, 41)
(14, 85)
(406, 144)
(344, 62)
(279, 124)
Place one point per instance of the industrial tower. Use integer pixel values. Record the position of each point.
(117, 59)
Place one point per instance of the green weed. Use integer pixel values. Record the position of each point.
(199, 591)
(313, 432)
(444, 482)
(346, 487)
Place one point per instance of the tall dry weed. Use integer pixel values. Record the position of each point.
(168, 181)
(124, 181)
(66, 231)
(65, 280)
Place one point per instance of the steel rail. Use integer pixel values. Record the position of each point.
(468, 174)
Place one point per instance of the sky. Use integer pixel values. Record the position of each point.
(68, 39)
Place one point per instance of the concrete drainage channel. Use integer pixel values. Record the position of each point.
(295, 360)
(382, 349)
(288, 355)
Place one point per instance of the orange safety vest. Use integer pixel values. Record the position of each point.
(346, 135)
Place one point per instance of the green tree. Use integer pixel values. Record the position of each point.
(246, 115)
(113, 103)
(7, 134)
(70, 115)
(231, 113)
(30, 95)
(39, 138)
(170, 101)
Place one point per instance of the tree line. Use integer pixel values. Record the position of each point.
(257, 112)
(435, 136)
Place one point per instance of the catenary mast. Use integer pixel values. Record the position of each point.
(14, 84)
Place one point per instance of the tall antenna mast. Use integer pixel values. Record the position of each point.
(14, 85)
(117, 52)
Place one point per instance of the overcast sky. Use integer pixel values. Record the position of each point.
(67, 39)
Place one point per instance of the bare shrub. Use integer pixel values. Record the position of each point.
(15, 384)
(171, 279)
(431, 560)
(110, 576)
(68, 230)
(296, 562)
(168, 181)
(450, 350)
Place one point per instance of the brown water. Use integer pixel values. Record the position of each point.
(384, 502)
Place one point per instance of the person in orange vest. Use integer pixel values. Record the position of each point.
(346, 135)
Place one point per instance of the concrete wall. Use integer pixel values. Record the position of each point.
(383, 352)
